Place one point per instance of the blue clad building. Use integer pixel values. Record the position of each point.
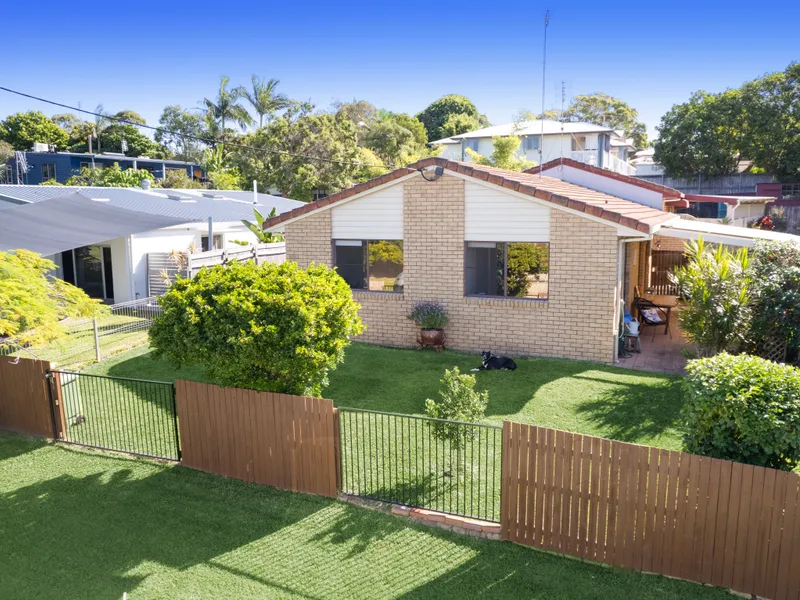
(42, 166)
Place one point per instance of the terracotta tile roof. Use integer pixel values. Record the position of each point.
(666, 192)
(549, 189)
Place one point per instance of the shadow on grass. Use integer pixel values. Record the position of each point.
(91, 531)
(358, 528)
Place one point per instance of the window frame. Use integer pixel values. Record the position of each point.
(48, 166)
(365, 263)
(505, 295)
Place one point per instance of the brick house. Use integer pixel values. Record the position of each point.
(525, 264)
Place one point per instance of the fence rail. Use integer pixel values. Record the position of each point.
(416, 461)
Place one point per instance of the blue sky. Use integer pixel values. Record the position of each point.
(399, 56)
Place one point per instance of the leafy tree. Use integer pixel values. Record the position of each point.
(525, 259)
(701, 136)
(129, 115)
(743, 408)
(263, 237)
(136, 143)
(22, 130)
(458, 401)
(221, 175)
(263, 98)
(331, 138)
(717, 287)
(504, 155)
(186, 125)
(179, 179)
(605, 110)
(358, 112)
(437, 114)
(112, 176)
(272, 327)
(771, 122)
(67, 121)
(33, 303)
(6, 154)
(374, 165)
(225, 109)
(458, 124)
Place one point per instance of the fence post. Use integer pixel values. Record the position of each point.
(96, 341)
(175, 421)
(54, 394)
(337, 449)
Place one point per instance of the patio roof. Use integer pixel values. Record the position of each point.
(717, 233)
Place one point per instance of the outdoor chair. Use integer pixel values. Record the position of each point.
(653, 315)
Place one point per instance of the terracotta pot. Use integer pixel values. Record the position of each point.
(432, 337)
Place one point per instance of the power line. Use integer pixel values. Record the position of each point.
(210, 142)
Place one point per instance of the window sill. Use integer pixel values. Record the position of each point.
(377, 294)
(503, 301)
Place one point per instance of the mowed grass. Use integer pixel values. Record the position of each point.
(581, 397)
(84, 525)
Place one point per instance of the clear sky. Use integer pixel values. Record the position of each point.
(397, 55)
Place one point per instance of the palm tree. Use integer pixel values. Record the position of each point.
(226, 108)
(263, 98)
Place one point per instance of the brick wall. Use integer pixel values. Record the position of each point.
(662, 242)
(576, 322)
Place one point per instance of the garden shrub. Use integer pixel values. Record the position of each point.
(272, 327)
(429, 315)
(458, 401)
(743, 408)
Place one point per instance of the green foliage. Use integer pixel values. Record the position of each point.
(225, 110)
(22, 130)
(776, 294)
(263, 98)
(6, 153)
(179, 179)
(272, 327)
(504, 155)
(386, 251)
(52, 182)
(185, 124)
(263, 237)
(33, 303)
(457, 124)
(716, 285)
(743, 408)
(439, 112)
(605, 110)
(700, 137)
(458, 401)
(525, 259)
(374, 166)
(429, 315)
(136, 143)
(324, 136)
(112, 176)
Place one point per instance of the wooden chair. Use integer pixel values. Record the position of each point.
(660, 317)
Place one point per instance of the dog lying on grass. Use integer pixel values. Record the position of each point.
(490, 362)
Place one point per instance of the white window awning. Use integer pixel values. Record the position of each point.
(716, 233)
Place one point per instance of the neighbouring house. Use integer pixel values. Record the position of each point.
(36, 166)
(101, 237)
(544, 140)
(732, 209)
(526, 264)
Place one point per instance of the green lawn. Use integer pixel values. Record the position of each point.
(84, 525)
(582, 397)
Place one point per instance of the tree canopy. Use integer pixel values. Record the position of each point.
(22, 130)
(112, 176)
(185, 125)
(33, 303)
(504, 155)
(438, 112)
(605, 110)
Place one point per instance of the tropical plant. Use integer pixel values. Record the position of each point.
(429, 315)
(271, 327)
(112, 176)
(263, 98)
(225, 109)
(263, 237)
(717, 288)
(22, 130)
(33, 303)
(458, 401)
(743, 408)
(504, 155)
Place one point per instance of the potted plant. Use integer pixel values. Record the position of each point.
(431, 318)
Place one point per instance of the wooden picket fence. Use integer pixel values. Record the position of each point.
(712, 521)
(24, 398)
(273, 439)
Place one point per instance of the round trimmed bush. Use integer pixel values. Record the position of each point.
(276, 328)
(743, 408)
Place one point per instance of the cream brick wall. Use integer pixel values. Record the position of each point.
(662, 242)
(576, 322)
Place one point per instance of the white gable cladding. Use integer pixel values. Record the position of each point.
(607, 185)
(495, 216)
(376, 216)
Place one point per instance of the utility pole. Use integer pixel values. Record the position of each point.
(544, 74)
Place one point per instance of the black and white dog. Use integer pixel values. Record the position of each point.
(489, 362)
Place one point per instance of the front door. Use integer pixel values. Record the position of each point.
(89, 268)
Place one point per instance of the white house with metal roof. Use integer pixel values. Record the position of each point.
(100, 237)
(544, 140)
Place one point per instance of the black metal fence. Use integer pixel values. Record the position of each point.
(115, 413)
(447, 466)
(664, 263)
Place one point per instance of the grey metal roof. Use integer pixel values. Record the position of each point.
(71, 221)
(192, 208)
(117, 156)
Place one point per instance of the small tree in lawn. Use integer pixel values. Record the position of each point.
(275, 328)
(458, 401)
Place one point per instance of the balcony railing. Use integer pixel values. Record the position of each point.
(610, 162)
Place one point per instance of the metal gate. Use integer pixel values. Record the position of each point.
(114, 413)
(447, 466)
(664, 262)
